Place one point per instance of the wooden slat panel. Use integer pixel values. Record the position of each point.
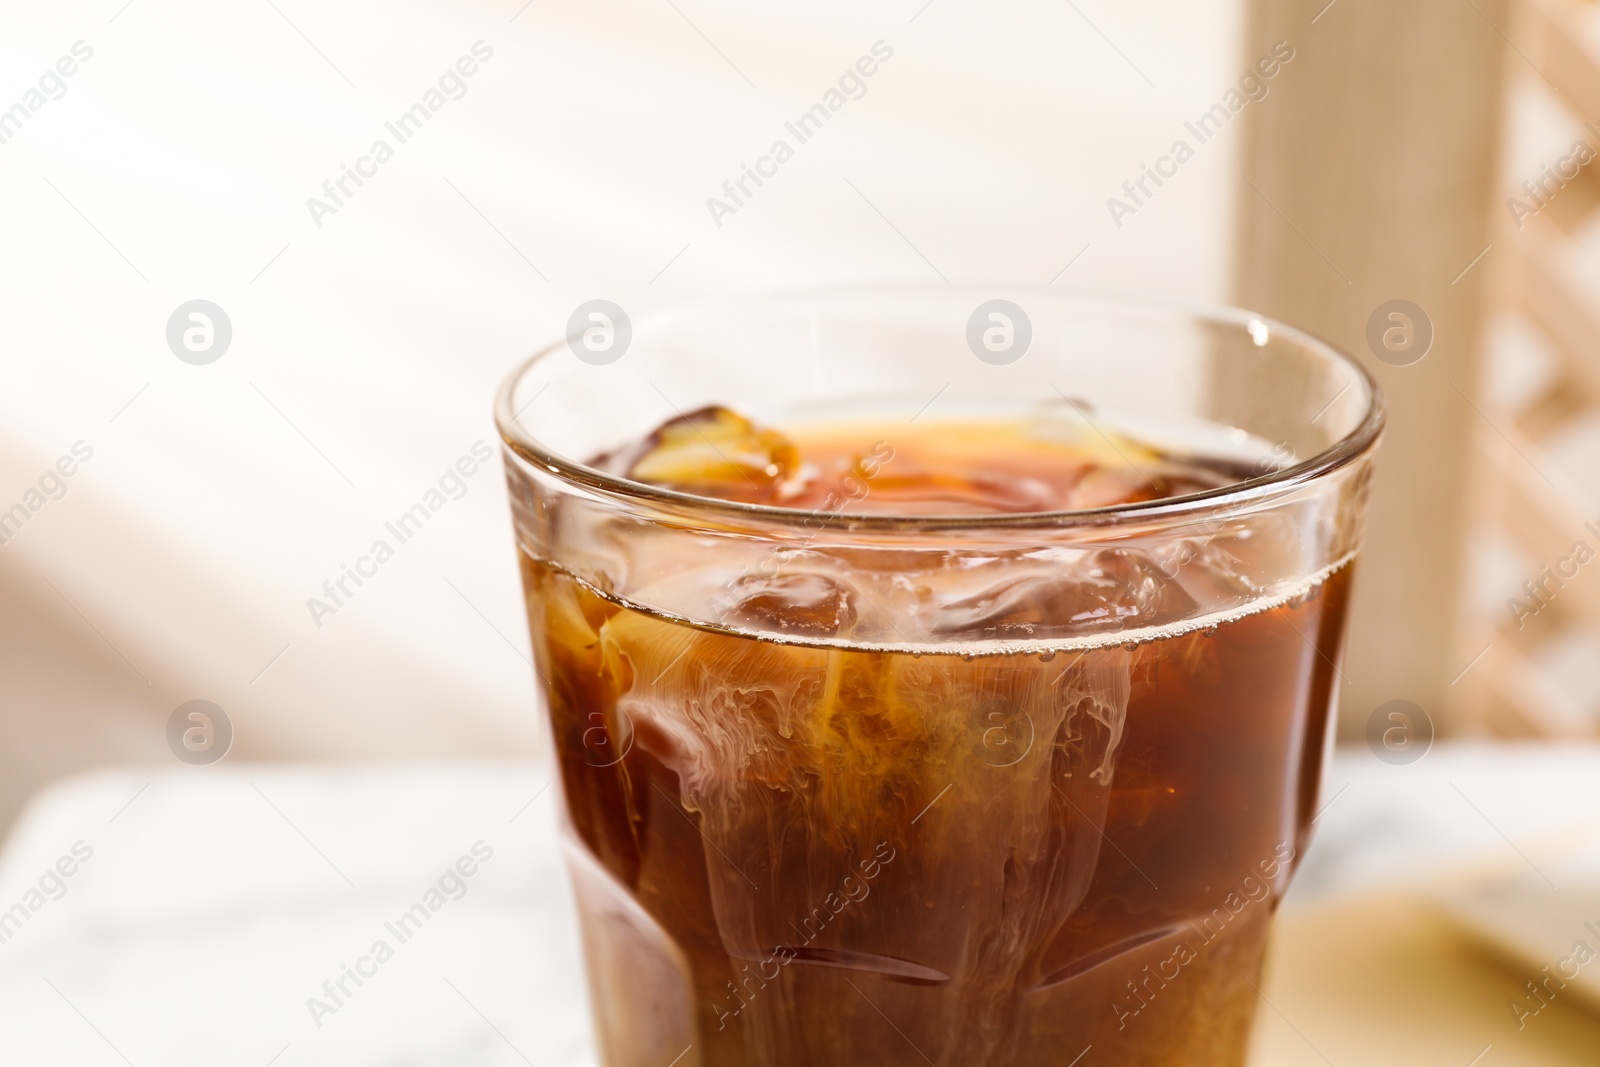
(1369, 178)
(1514, 699)
(1551, 34)
(1574, 203)
(1563, 401)
(1542, 289)
(1546, 520)
(1505, 693)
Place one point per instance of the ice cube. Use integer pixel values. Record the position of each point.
(1107, 590)
(1075, 424)
(716, 452)
(933, 490)
(800, 604)
(1209, 568)
(1126, 484)
(1103, 487)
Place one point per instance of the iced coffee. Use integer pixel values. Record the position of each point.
(871, 805)
(984, 732)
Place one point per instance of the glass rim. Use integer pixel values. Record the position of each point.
(1357, 442)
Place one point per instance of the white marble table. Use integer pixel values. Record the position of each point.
(218, 900)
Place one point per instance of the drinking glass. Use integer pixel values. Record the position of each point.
(847, 785)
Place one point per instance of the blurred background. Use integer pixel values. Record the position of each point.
(167, 510)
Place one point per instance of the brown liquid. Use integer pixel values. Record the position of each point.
(795, 855)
